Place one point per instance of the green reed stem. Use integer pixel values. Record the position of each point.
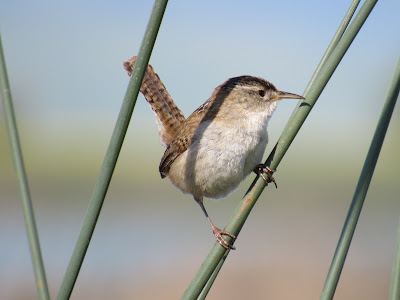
(110, 160)
(361, 189)
(315, 88)
(16, 152)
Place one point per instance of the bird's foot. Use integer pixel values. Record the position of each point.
(224, 243)
(260, 169)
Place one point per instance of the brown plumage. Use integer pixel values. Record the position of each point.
(220, 143)
(169, 117)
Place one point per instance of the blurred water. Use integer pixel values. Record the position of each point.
(151, 239)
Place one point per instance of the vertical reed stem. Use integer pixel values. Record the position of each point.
(16, 152)
(361, 189)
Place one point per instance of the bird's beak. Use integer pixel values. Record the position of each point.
(286, 95)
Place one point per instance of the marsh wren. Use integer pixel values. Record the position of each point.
(220, 143)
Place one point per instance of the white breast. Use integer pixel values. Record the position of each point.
(221, 156)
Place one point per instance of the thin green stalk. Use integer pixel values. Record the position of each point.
(395, 284)
(361, 189)
(293, 126)
(318, 84)
(335, 40)
(113, 150)
(16, 152)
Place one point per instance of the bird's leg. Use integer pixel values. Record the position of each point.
(260, 169)
(217, 232)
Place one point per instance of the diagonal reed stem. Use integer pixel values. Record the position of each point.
(361, 189)
(16, 152)
(335, 40)
(110, 160)
(236, 222)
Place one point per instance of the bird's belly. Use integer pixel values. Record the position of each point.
(214, 165)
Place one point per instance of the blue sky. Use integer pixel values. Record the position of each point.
(65, 59)
(66, 56)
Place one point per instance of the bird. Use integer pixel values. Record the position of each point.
(212, 151)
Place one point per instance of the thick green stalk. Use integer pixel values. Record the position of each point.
(315, 89)
(395, 285)
(242, 211)
(16, 152)
(113, 150)
(361, 189)
(212, 278)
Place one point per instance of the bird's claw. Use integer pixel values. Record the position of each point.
(260, 169)
(224, 243)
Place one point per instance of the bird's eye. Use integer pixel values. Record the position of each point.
(261, 93)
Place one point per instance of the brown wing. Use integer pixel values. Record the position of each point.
(176, 148)
(182, 142)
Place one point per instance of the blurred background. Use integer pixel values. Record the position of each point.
(65, 68)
